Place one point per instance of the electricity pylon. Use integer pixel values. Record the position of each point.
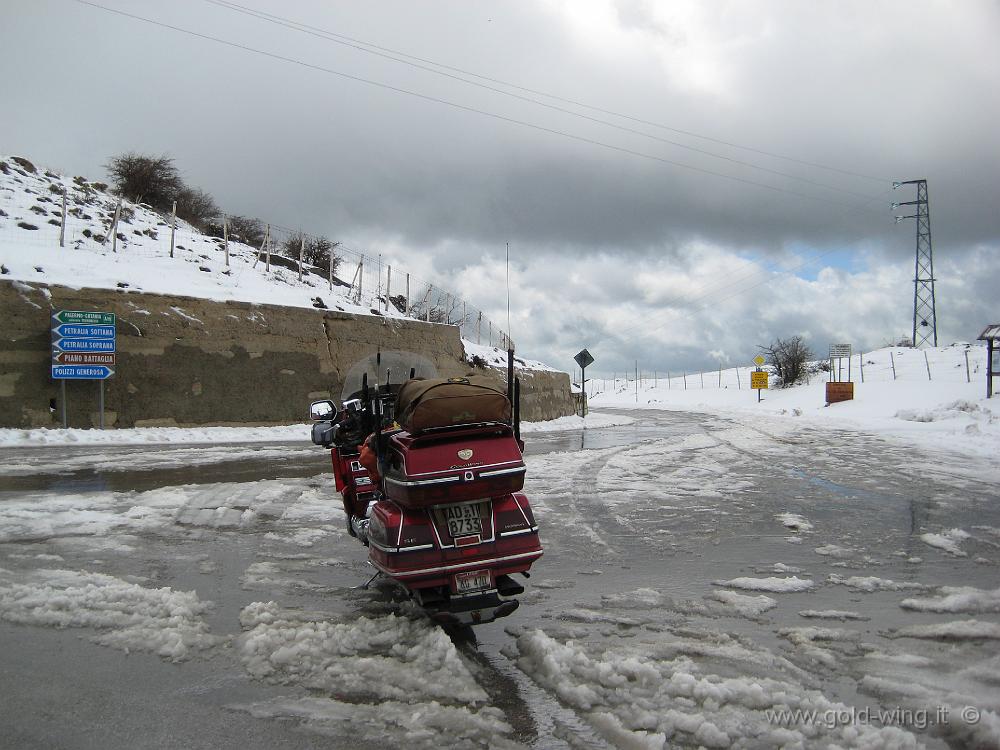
(924, 303)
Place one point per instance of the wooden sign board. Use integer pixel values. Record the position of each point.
(836, 392)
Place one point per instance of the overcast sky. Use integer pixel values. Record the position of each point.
(678, 181)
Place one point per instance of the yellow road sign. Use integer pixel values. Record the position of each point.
(759, 360)
(758, 380)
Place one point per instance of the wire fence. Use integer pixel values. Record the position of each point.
(955, 364)
(90, 218)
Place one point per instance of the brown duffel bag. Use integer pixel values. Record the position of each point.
(445, 402)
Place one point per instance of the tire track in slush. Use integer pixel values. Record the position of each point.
(584, 486)
(540, 720)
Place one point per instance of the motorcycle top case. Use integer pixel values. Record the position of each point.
(470, 463)
(440, 403)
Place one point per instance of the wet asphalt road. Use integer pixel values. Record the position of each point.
(672, 503)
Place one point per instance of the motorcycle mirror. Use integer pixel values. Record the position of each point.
(322, 410)
(323, 434)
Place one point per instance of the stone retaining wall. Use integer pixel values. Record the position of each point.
(189, 361)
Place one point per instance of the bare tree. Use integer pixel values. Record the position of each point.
(196, 206)
(789, 358)
(145, 179)
(319, 252)
(246, 230)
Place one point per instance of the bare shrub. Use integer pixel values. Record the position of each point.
(789, 358)
(145, 179)
(318, 251)
(196, 207)
(246, 230)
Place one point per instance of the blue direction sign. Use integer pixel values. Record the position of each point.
(78, 340)
(82, 372)
(84, 345)
(72, 330)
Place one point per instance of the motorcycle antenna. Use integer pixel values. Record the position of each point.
(510, 343)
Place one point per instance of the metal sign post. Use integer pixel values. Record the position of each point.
(838, 389)
(83, 348)
(758, 378)
(584, 359)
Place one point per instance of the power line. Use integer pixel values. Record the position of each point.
(462, 107)
(364, 47)
(354, 42)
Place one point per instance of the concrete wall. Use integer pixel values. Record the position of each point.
(188, 361)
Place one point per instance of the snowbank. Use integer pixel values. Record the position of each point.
(946, 412)
(642, 699)
(294, 433)
(163, 621)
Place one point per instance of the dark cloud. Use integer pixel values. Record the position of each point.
(885, 90)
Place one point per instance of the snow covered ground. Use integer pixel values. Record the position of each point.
(31, 206)
(705, 583)
(295, 433)
(944, 411)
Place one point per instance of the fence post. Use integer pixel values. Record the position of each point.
(928, 363)
(267, 249)
(427, 312)
(479, 328)
(173, 227)
(329, 268)
(637, 381)
(361, 276)
(465, 314)
(388, 281)
(892, 361)
(685, 381)
(702, 375)
(407, 293)
(968, 377)
(302, 252)
(720, 376)
(62, 226)
(738, 383)
(861, 362)
(114, 227)
(225, 236)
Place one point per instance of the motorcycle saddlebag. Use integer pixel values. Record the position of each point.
(448, 402)
(466, 463)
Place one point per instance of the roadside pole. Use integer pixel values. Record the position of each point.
(62, 225)
(173, 227)
(758, 378)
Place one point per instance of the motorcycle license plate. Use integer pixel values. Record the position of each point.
(463, 520)
(474, 580)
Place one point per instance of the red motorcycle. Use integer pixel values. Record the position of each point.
(438, 504)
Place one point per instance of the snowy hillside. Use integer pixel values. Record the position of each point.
(927, 396)
(30, 252)
(30, 211)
